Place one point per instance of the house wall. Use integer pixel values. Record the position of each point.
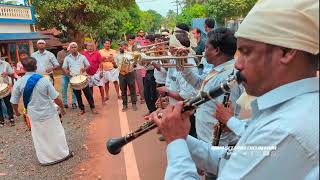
(14, 28)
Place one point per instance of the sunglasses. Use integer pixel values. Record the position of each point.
(41, 43)
(74, 47)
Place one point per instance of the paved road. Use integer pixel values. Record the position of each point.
(143, 159)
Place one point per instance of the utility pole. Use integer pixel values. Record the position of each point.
(176, 2)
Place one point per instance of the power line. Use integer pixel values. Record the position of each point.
(176, 2)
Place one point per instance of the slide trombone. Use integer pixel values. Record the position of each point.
(179, 65)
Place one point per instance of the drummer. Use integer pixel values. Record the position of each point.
(6, 71)
(46, 61)
(76, 64)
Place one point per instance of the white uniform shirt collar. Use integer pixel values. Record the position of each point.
(222, 67)
(285, 93)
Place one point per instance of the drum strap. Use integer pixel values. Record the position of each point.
(28, 89)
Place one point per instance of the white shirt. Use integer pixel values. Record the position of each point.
(286, 118)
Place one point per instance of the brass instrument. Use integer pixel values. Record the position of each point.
(220, 126)
(179, 65)
(139, 47)
(129, 59)
(114, 145)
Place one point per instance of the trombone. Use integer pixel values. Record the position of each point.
(179, 65)
(139, 47)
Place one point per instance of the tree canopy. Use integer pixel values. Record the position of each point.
(221, 9)
(95, 18)
(188, 13)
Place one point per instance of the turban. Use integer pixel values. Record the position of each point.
(41, 41)
(292, 24)
(73, 44)
(174, 42)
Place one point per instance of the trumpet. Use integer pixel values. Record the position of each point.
(179, 65)
(139, 47)
(115, 145)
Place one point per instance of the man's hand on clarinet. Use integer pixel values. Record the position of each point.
(172, 123)
(223, 114)
(162, 90)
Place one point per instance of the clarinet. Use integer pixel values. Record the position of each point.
(114, 145)
(217, 133)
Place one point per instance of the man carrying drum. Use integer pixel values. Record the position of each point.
(75, 65)
(46, 61)
(5, 71)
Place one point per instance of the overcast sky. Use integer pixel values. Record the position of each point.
(161, 6)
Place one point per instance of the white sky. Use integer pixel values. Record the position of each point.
(161, 6)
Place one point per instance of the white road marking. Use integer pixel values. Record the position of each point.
(129, 156)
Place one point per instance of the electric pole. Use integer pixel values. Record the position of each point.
(176, 2)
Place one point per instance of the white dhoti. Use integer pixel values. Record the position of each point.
(49, 140)
(111, 75)
(97, 80)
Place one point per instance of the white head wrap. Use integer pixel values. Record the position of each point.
(73, 44)
(41, 41)
(174, 42)
(287, 23)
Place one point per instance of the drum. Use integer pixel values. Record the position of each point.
(79, 82)
(4, 90)
(48, 77)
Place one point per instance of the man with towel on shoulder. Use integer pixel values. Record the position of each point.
(47, 132)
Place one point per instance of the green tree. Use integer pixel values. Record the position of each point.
(169, 22)
(221, 9)
(150, 21)
(189, 3)
(188, 13)
(81, 17)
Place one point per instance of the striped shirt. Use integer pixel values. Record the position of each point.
(41, 106)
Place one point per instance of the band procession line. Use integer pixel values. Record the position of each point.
(129, 156)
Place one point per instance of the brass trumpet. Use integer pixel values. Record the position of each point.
(179, 65)
(139, 47)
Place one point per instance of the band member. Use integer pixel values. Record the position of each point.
(111, 73)
(6, 71)
(126, 77)
(94, 70)
(46, 61)
(65, 79)
(75, 64)
(138, 68)
(284, 129)
(47, 132)
(150, 86)
(184, 90)
(219, 53)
